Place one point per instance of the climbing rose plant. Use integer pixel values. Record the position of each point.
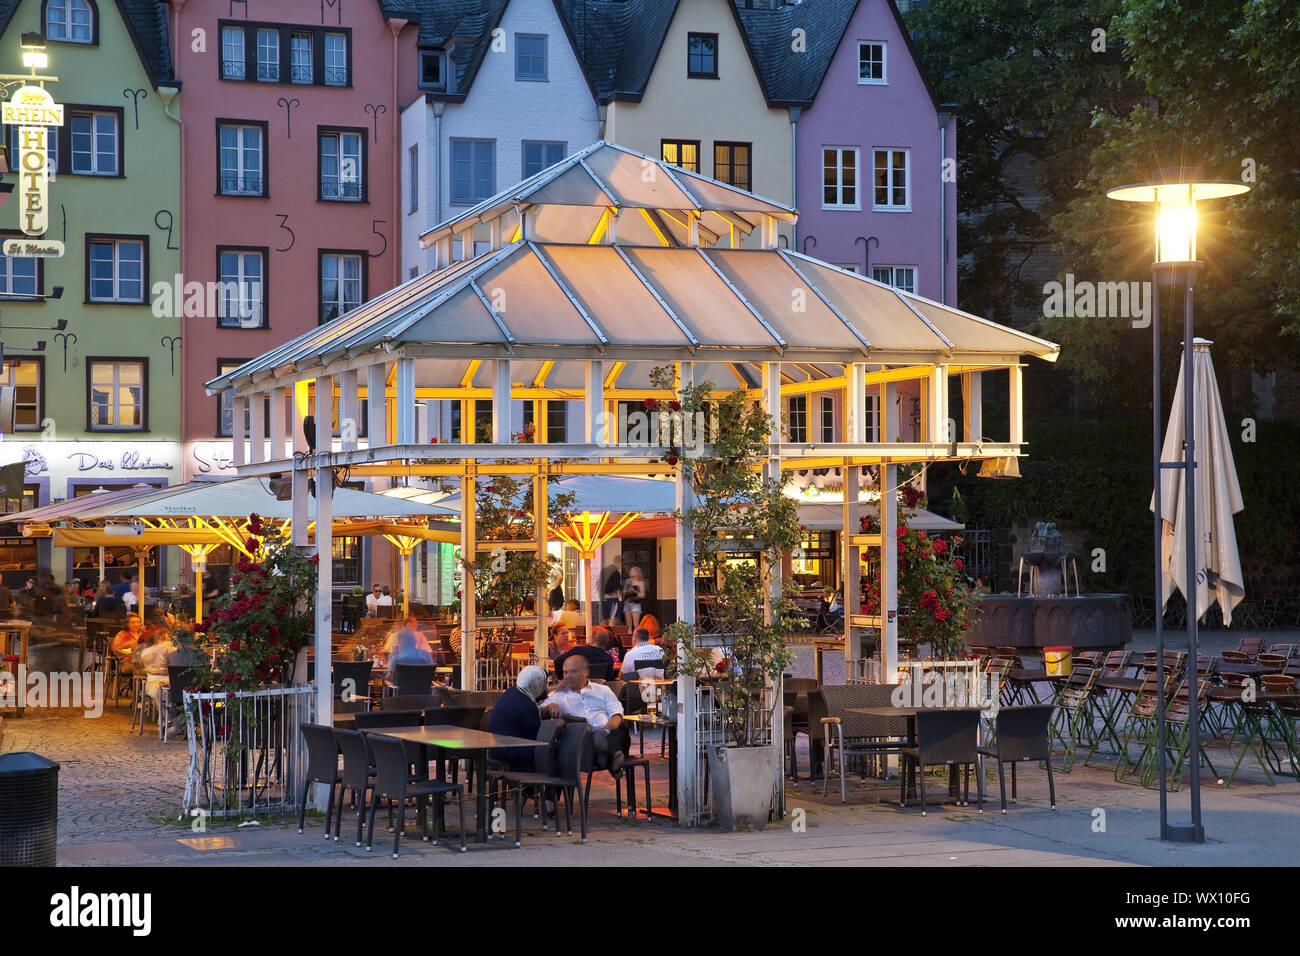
(941, 603)
(267, 617)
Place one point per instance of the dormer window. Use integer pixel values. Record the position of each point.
(432, 72)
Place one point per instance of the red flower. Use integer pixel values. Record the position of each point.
(200, 627)
(521, 514)
(672, 459)
(315, 559)
(235, 645)
(902, 531)
(433, 441)
(958, 564)
(902, 549)
(940, 546)
(230, 693)
(251, 544)
(650, 403)
(255, 627)
(675, 406)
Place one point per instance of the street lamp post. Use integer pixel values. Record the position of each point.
(1175, 193)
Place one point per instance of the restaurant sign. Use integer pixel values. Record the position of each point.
(32, 110)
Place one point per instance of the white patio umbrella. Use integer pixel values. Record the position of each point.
(1218, 498)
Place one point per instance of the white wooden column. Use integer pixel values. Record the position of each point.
(594, 404)
(323, 412)
(376, 404)
(972, 404)
(1016, 396)
(468, 534)
(855, 403)
(279, 423)
(349, 409)
(405, 399)
(501, 403)
(238, 433)
(324, 594)
(937, 405)
(888, 539)
(688, 783)
(257, 425)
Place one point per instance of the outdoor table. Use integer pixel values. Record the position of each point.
(651, 720)
(460, 740)
(954, 789)
(1246, 670)
(1026, 677)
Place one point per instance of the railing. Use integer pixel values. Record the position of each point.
(232, 70)
(247, 755)
(336, 190)
(249, 184)
(268, 72)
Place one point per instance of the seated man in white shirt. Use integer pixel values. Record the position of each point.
(643, 650)
(576, 696)
(375, 599)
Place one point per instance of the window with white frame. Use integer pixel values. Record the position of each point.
(797, 419)
(117, 395)
(26, 377)
(891, 175)
(243, 274)
(539, 155)
(268, 56)
(20, 275)
(342, 158)
(828, 418)
(431, 70)
(340, 284)
(242, 160)
(95, 141)
(336, 59)
(871, 61)
(473, 170)
(530, 57)
(116, 270)
(872, 419)
(300, 66)
(840, 177)
(900, 277)
(69, 21)
(232, 53)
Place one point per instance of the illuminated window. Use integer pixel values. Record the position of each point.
(117, 395)
(731, 164)
(27, 377)
(681, 152)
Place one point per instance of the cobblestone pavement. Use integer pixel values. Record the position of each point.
(120, 796)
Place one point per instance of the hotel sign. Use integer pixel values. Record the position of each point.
(32, 109)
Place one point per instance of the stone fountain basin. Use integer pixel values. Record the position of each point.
(1087, 622)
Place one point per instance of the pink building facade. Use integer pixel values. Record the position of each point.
(289, 186)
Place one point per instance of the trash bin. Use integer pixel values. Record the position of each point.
(29, 810)
(1058, 661)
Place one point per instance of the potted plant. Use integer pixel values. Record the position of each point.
(743, 524)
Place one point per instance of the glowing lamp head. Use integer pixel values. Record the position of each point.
(34, 55)
(1175, 193)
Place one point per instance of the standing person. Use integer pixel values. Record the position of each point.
(7, 603)
(555, 600)
(612, 596)
(407, 652)
(633, 594)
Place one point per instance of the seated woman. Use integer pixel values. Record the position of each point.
(516, 715)
(407, 652)
(151, 657)
(125, 642)
(651, 624)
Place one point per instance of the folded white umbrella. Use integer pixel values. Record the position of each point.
(1218, 497)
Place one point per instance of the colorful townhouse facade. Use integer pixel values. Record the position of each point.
(289, 146)
(100, 405)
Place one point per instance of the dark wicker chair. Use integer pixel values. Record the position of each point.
(413, 702)
(943, 737)
(1022, 734)
(856, 734)
(322, 767)
(358, 776)
(393, 785)
(178, 678)
(351, 678)
(573, 759)
(381, 719)
(415, 680)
